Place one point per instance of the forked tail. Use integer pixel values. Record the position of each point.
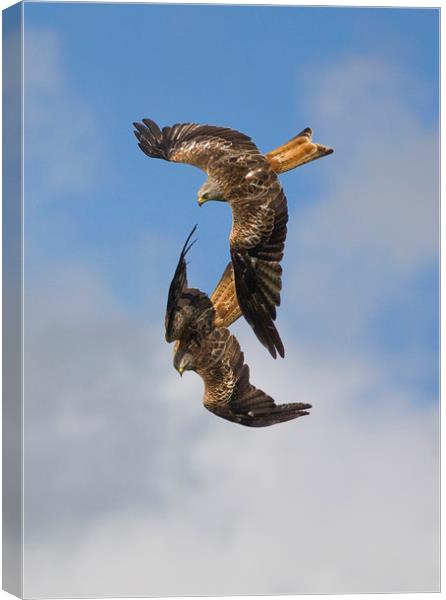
(298, 151)
(224, 299)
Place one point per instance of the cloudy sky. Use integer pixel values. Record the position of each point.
(131, 487)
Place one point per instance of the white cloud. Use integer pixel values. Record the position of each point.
(384, 174)
(133, 488)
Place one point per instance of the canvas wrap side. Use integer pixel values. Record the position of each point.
(12, 388)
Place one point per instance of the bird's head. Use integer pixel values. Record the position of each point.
(210, 190)
(183, 359)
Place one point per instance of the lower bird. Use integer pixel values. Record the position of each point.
(214, 354)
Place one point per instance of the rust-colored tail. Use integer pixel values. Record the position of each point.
(224, 299)
(298, 151)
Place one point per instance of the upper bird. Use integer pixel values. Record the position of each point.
(215, 355)
(238, 173)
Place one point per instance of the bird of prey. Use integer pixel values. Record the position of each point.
(214, 353)
(238, 173)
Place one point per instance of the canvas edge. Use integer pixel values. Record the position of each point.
(12, 285)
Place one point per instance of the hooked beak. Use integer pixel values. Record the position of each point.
(181, 371)
(201, 201)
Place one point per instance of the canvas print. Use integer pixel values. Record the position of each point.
(220, 219)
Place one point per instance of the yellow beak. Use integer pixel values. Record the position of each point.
(201, 201)
(181, 371)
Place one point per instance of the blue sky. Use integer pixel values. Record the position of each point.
(176, 63)
(359, 315)
(243, 67)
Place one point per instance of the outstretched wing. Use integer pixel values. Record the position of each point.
(258, 204)
(224, 299)
(198, 145)
(257, 242)
(188, 309)
(230, 395)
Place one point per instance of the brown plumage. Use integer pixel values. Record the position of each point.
(224, 299)
(241, 175)
(300, 150)
(215, 355)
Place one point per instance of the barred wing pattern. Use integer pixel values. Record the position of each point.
(224, 299)
(198, 145)
(257, 269)
(230, 395)
(262, 289)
